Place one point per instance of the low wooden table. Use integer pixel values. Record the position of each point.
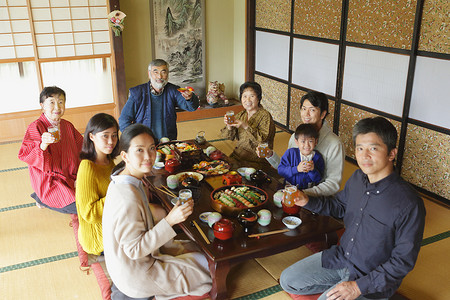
(222, 255)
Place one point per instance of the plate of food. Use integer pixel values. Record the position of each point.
(211, 168)
(189, 178)
(232, 199)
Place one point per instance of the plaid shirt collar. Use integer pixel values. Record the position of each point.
(154, 92)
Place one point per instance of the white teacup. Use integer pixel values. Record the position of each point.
(164, 140)
(278, 198)
(264, 217)
(172, 181)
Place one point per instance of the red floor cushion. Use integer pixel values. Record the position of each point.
(102, 280)
(105, 284)
(82, 255)
(305, 297)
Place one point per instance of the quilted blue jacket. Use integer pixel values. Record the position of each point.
(138, 108)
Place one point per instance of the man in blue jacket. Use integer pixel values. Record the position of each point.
(153, 103)
(384, 221)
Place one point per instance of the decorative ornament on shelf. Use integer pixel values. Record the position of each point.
(216, 91)
(116, 21)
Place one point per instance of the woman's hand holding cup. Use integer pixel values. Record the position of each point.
(225, 120)
(179, 213)
(268, 151)
(46, 139)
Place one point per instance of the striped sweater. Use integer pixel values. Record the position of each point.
(53, 171)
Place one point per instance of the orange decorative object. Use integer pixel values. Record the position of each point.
(231, 178)
(188, 88)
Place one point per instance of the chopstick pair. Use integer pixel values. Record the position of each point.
(165, 191)
(201, 232)
(268, 233)
(168, 191)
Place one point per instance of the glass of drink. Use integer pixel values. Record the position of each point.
(54, 131)
(288, 204)
(185, 195)
(263, 150)
(230, 117)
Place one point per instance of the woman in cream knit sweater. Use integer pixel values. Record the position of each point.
(141, 257)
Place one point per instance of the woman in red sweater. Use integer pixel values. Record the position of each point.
(52, 159)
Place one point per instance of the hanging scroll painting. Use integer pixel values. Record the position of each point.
(178, 31)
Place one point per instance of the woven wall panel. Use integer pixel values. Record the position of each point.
(426, 162)
(381, 22)
(319, 18)
(349, 117)
(274, 14)
(434, 34)
(274, 98)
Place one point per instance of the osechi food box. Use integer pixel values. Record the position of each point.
(232, 199)
(180, 150)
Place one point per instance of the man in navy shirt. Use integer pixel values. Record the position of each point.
(153, 103)
(384, 221)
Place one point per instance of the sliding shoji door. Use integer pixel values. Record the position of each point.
(386, 58)
(66, 43)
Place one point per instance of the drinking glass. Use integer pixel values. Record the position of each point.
(263, 149)
(185, 195)
(54, 131)
(230, 117)
(288, 204)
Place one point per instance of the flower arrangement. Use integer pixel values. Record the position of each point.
(115, 19)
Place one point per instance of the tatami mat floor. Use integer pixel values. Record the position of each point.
(38, 258)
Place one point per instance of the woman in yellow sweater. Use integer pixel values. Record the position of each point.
(100, 147)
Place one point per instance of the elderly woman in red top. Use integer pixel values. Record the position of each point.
(52, 158)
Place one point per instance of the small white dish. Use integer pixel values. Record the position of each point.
(248, 172)
(158, 165)
(204, 216)
(174, 201)
(292, 222)
(241, 171)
